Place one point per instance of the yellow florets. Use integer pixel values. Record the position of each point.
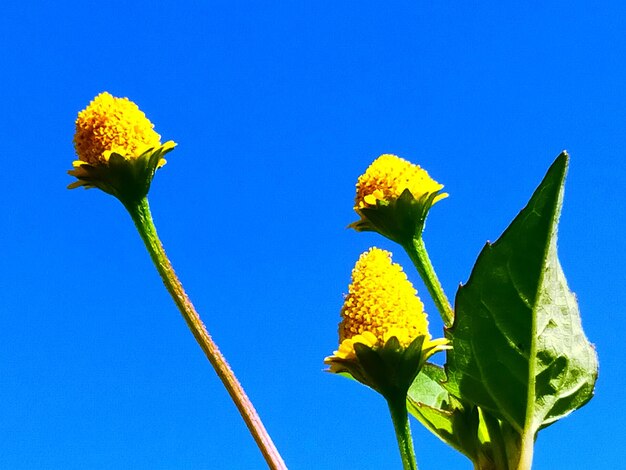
(112, 125)
(388, 176)
(381, 303)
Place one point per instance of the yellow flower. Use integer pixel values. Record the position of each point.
(387, 178)
(117, 147)
(393, 198)
(112, 125)
(381, 300)
(382, 314)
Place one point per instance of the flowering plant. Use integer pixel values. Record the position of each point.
(517, 359)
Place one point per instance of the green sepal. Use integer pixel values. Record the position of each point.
(128, 179)
(400, 220)
(390, 369)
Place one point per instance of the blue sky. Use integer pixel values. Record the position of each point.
(277, 108)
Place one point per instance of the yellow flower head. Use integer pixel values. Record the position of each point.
(388, 176)
(112, 125)
(381, 303)
(383, 334)
(118, 149)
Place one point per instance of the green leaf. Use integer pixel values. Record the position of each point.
(430, 403)
(466, 428)
(427, 387)
(519, 351)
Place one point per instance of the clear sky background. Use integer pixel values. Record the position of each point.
(277, 107)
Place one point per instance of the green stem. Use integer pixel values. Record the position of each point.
(400, 418)
(498, 448)
(140, 213)
(526, 452)
(519, 448)
(418, 254)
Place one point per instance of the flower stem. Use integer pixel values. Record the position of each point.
(418, 254)
(400, 418)
(140, 213)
